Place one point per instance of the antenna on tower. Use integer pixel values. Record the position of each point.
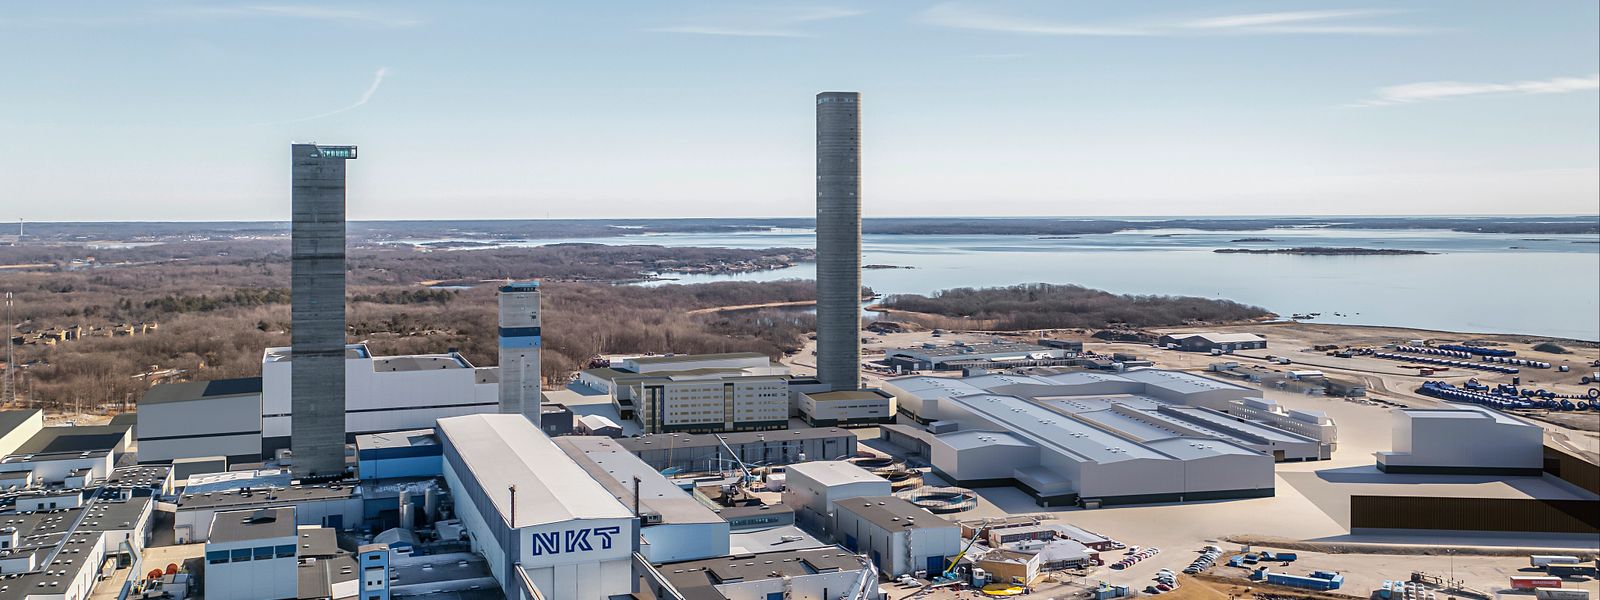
(8, 396)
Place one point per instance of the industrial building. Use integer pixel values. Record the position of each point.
(846, 408)
(201, 418)
(63, 456)
(828, 573)
(704, 393)
(1094, 438)
(957, 356)
(812, 488)
(61, 552)
(520, 348)
(674, 525)
(317, 274)
(328, 505)
(383, 393)
(1464, 439)
(1211, 340)
(252, 555)
(693, 453)
(399, 454)
(839, 240)
(899, 537)
(540, 520)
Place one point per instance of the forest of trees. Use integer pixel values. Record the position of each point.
(220, 303)
(1049, 306)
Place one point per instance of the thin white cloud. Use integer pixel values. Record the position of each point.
(780, 22)
(1303, 22)
(1425, 91)
(302, 12)
(377, 80)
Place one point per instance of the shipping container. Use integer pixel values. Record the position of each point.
(1545, 560)
(1528, 583)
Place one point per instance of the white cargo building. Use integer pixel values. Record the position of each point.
(811, 488)
(899, 537)
(1464, 439)
(539, 519)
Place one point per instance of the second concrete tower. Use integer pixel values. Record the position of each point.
(839, 239)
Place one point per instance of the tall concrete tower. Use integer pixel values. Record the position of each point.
(316, 385)
(519, 349)
(839, 239)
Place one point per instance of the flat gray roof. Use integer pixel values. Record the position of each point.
(667, 359)
(891, 513)
(695, 440)
(397, 439)
(696, 578)
(615, 468)
(248, 525)
(11, 419)
(202, 390)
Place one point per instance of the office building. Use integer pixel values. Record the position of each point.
(540, 520)
(696, 393)
(519, 349)
(317, 275)
(1464, 439)
(839, 239)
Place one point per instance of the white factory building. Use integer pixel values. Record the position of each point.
(697, 393)
(1094, 438)
(385, 393)
(1464, 439)
(539, 519)
(811, 489)
(675, 526)
(248, 418)
(898, 536)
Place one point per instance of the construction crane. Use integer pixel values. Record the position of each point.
(950, 570)
(748, 477)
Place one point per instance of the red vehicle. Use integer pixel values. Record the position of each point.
(1528, 583)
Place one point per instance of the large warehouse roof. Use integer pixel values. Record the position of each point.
(1053, 430)
(1180, 382)
(503, 450)
(624, 474)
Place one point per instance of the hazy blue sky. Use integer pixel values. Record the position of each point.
(185, 110)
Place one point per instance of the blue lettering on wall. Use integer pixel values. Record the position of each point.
(575, 540)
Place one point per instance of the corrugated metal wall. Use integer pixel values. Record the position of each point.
(1475, 514)
(1572, 469)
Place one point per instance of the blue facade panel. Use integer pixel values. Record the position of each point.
(520, 342)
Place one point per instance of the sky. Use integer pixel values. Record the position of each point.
(158, 111)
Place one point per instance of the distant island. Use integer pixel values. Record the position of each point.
(886, 267)
(1321, 251)
(1242, 240)
(1058, 237)
(1057, 306)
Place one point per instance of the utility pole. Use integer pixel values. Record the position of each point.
(9, 395)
